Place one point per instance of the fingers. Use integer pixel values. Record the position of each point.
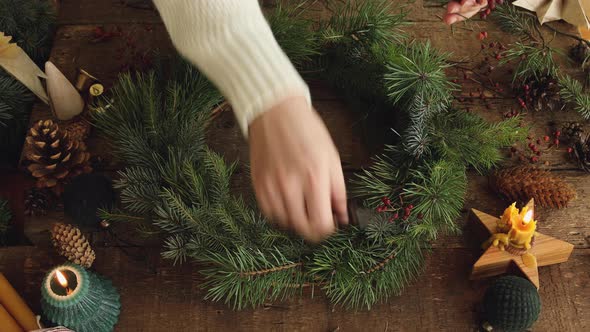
(271, 202)
(457, 12)
(294, 202)
(319, 210)
(338, 194)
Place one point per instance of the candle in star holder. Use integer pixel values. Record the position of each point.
(79, 299)
(513, 242)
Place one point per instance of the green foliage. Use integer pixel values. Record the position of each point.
(532, 61)
(573, 93)
(438, 191)
(294, 33)
(419, 72)
(370, 22)
(156, 123)
(516, 21)
(466, 139)
(30, 23)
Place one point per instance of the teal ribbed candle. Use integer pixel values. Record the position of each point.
(89, 303)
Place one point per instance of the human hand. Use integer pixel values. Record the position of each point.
(459, 11)
(296, 170)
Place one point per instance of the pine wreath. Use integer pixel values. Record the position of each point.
(174, 181)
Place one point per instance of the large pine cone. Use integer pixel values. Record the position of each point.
(54, 156)
(543, 94)
(69, 242)
(523, 183)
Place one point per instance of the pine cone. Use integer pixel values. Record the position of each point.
(572, 131)
(54, 156)
(524, 183)
(69, 242)
(542, 94)
(580, 52)
(582, 152)
(79, 129)
(38, 201)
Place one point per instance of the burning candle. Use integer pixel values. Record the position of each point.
(79, 299)
(61, 278)
(523, 229)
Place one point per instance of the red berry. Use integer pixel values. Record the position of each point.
(488, 11)
(538, 141)
(557, 133)
(395, 216)
(526, 87)
(420, 216)
(492, 5)
(498, 56)
(483, 15)
(556, 141)
(483, 47)
(570, 150)
(500, 2)
(410, 206)
(492, 44)
(538, 153)
(534, 159)
(546, 138)
(482, 35)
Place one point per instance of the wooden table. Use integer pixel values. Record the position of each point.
(157, 296)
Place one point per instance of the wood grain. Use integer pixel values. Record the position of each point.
(157, 296)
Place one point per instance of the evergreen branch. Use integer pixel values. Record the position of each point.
(370, 22)
(438, 192)
(572, 92)
(273, 269)
(532, 61)
(294, 33)
(419, 72)
(380, 265)
(516, 21)
(466, 139)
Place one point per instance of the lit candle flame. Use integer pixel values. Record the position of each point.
(527, 217)
(61, 279)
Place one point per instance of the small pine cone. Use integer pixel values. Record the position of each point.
(38, 201)
(580, 52)
(53, 156)
(78, 129)
(543, 94)
(69, 242)
(572, 131)
(582, 152)
(523, 183)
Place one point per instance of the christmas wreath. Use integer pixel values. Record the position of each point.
(157, 122)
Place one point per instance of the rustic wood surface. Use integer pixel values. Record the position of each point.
(157, 296)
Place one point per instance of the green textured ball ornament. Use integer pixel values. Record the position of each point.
(89, 302)
(512, 304)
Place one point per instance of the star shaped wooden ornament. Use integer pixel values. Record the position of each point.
(545, 250)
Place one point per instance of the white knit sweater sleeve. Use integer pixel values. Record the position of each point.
(232, 44)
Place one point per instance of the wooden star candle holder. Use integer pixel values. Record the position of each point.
(503, 254)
